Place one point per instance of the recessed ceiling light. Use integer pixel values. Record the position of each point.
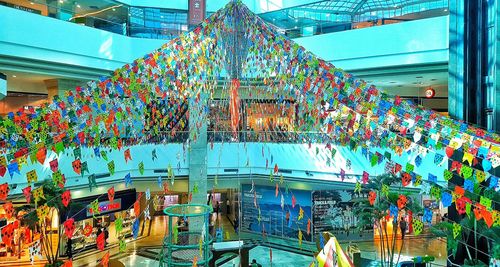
(14, 76)
(327, 15)
(445, 9)
(295, 27)
(61, 1)
(296, 20)
(78, 5)
(114, 9)
(32, 3)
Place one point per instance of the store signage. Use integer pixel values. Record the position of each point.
(23, 8)
(430, 92)
(106, 207)
(196, 11)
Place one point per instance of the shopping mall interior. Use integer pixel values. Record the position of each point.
(249, 133)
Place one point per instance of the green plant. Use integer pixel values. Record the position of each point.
(375, 215)
(52, 197)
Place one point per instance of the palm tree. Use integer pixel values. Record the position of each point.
(375, 215)
(52, 194)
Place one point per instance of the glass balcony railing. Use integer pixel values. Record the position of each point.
(111, 16)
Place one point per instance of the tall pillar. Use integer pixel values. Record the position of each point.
(474, 62)
(198, 154)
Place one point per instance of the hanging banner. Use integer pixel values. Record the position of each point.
(197, 9)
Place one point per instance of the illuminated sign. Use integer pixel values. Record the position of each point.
(106, 207)
(196, 11)
(430, 92)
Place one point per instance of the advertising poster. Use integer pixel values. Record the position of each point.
(273, 219)
(333, 212)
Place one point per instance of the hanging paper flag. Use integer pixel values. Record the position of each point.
(446, 199)
(135, 228)
(148, 194)
(42, 212)
(101, 241)
(137, 208)
(276, 169)
(493, 182)
(276, 190)
(41, 154)
(87, 230)
(111, 194)
(418, 226)
(122, 245)
(77, 153)
(357, 187)
(69, 227)
(128, 180)
(84, 168)
(393, 212)
(27, 193)
(466, 171)
(159, 181)
(147, 216)
(469, 185)
(118, 224)
(485, 202)
(348, 164)
(141, 168)
(294, 201)
(301, 214)
(488, 219)
(22, 161)
(281, 179)
(402, 200)
(457, 230)
(68, 263)
(417, 181)
(77, 166)
(418, 161)
(94, 207)
(300, 238)
(282, 202)
(153, 154)
(385, 190)
(105, 259)
(104, 155)
(438, 158)
(57, 179)
(127, 155)
(486, 164)
(436, 192)
(66, 198)
(92, 182)
(372, 196)
(54, 164)
(13, 168)
(111, 167)
(32, 176)
(195, 261)
(9, 210)
(427, 216)
(405, 178)
(38, 194)
(35, 250)
(433, 178)
(480, 176)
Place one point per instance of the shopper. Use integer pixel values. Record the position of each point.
(69, 248)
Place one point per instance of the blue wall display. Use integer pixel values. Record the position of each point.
(273, 219)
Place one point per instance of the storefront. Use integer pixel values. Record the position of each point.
(88, 225)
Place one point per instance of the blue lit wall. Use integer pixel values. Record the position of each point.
(422, 41)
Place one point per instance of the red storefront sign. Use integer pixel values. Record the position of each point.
(106, 206)
(196, 11)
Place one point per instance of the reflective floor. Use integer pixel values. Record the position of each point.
(285, 252)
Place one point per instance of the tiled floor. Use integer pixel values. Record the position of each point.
(283, 251)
